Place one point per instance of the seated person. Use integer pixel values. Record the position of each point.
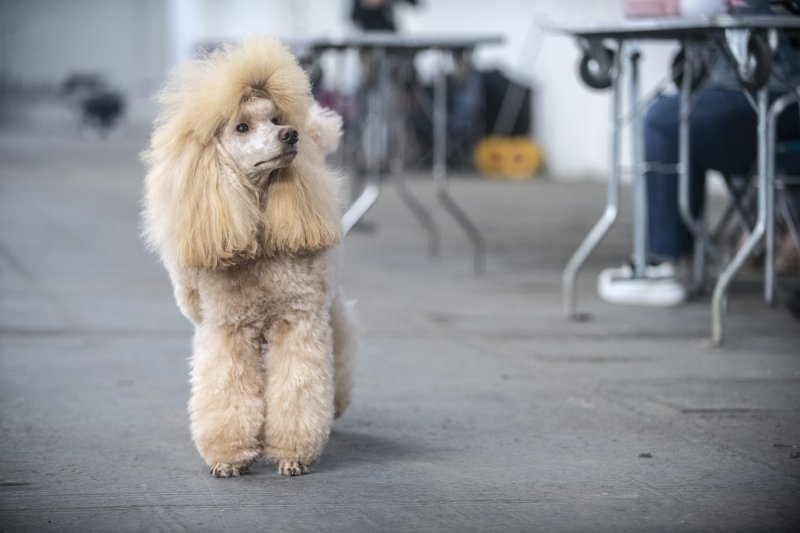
(723, 137)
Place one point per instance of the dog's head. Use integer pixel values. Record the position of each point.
(236, 161)
(258, 141)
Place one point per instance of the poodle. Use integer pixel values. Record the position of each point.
(244, 214)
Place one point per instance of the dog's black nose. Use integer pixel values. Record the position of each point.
(288, 135)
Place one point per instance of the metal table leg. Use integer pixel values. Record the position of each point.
(373, 146)
(702, 238)
(419, 211)
(609, 216)
(640, 231)
(440, 169)
(769, 206)
(398, 175)
(775, 110)
(363, 203)
(765, 138)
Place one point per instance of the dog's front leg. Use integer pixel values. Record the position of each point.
(227, 404)
(299, 393)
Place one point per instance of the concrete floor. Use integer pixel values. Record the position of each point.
(477, 408)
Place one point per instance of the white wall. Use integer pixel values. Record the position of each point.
(134, 42)
(43, 41)
(194, 21)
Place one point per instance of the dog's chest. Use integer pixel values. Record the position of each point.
(262, 291)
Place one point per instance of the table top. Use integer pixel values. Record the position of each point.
(680, 27)
(402, 41)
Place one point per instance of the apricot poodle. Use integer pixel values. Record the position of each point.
(244, 215)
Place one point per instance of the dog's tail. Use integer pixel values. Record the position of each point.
(325, 128)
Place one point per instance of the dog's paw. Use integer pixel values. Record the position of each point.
(229, 470)
(293, 468)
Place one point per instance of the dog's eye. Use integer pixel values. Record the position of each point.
(275, 120)
(242, 128)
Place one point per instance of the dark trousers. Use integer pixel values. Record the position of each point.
(722, 137)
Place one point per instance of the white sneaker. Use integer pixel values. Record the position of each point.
(659, 287)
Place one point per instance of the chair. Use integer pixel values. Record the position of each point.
(740, 209)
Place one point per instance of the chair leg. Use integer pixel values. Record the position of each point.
(726, 234)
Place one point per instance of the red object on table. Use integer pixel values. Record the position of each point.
(651, 8)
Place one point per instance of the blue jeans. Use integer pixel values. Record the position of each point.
(722, 137)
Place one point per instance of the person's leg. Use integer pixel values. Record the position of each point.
(668, 237)
(722, 136)
(723, 132)
(720, 124)
(666, 233)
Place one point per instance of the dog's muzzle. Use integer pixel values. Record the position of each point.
(290, 136)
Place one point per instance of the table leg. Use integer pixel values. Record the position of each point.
(374, 144)
(769, 206)
(775, 110)
(421, 214)
(727, 275)
(609, 216)
(702, 238)
(440, 168)
(403, 70)
(367, 198)
(639, 182)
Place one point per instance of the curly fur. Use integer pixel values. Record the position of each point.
(252, 266)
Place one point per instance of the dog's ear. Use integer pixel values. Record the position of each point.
(302, 211)
(325, 127)
(197, 209)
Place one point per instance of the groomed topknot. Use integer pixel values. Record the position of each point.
(202, 94)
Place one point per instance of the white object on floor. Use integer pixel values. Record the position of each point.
(659, 288)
